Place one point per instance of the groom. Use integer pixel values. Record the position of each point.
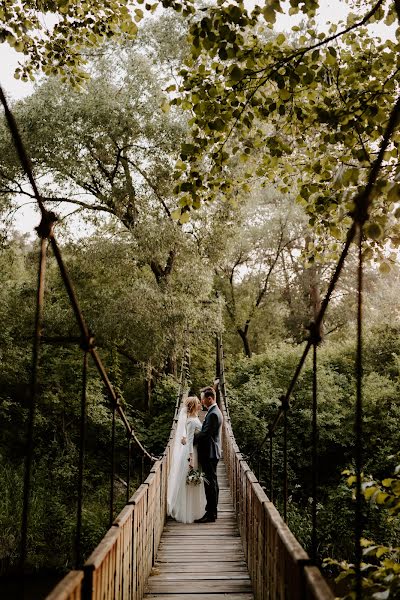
(208, 442)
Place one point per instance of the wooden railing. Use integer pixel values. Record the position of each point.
(279, 568)
(118, 568)
(120, 565)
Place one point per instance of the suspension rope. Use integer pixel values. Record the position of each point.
(112, 474)
(22, 154)
(33, 397)
(128, 471)
(358, 421)
(285, 408)
(45, 232)
(271, 467)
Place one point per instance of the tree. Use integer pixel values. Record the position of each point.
(57, 37)
(244, 245)
(109, 150)
(311, 113)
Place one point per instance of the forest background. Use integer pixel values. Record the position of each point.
(179, 120)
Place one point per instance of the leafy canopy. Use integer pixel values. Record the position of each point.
(56, 35)
(305, 111)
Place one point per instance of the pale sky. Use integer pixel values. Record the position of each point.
(26, 217)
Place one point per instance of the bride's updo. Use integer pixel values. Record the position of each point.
(192, 404)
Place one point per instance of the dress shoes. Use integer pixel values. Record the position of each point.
(205, 519)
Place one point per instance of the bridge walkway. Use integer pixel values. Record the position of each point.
(202, 561)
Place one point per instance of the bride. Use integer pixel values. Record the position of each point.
(185, 503)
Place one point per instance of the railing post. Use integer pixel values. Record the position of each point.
(33, 396)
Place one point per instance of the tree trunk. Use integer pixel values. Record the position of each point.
(245, 339)
(148, 388)
(171, 366)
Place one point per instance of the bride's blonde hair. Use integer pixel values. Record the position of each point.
(191, 404)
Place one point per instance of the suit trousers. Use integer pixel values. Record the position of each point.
(211, 487)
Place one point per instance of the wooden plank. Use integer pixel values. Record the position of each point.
(192, 568)
(200, 576)
(200, 587)
(200, 596)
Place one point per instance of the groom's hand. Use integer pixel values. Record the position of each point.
(183, 440)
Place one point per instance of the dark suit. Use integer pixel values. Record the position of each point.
(208, 442)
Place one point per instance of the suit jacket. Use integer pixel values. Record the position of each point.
(208, 440)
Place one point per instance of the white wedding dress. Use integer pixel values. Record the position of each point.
(185, 503)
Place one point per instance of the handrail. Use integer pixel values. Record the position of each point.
(86, 342)
(279, 567)
(119, 566)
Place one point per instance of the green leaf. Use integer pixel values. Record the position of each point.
(373, 231)
(280, 39)
(387, 482)
(384, 268)
(381, 551)
(284, 94)
(185, 217)
(381, 497)
(236, 74)
(394, 193)
(269, 14)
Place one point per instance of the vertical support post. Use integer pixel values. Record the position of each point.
(271, 465)
(78, 549)
(128, 474)
(314, 458)
(358, 419)
(285, 407)
(142, 468)
(112, 467)
(33, 395)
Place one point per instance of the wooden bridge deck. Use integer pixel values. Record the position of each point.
(202, 561)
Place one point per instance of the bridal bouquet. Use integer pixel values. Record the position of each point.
(195, 477)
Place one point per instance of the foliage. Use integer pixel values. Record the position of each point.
(255, 386)
(305, 113)
(381, 568)
(57, 36)
(56, 436)
(108, 151)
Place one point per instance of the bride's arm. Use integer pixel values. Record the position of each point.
(191, 426)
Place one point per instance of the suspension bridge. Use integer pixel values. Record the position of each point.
(250, 551)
